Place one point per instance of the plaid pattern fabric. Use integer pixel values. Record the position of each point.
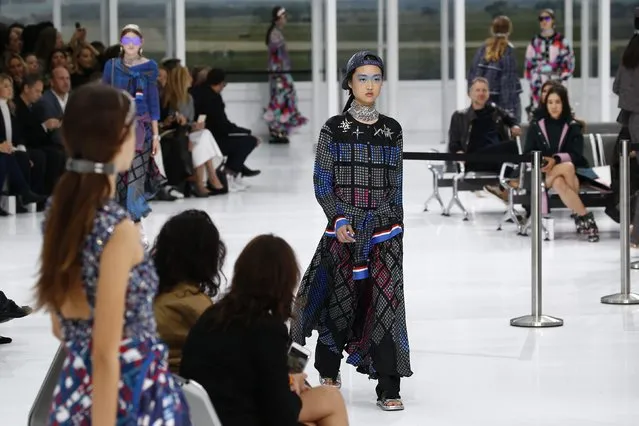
(502, 76)
(327, 301)
(141, 182)
(547, 58)
(358, 180)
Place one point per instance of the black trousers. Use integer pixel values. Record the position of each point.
(327, 362)
(10, 170)
(509, 147)
(55, 164)
(32, 165)
(237, 149)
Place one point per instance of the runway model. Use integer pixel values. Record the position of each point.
(98, 283)
(282, 114)
(353, 291)
(138, 76)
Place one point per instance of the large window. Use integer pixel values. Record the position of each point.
(151, 17)
(87, 14)
(419, 40)
(231, 35)
(25, 11)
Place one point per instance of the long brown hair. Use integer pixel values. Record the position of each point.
(497, 44)
(264, 279)
(96, 121)
(176, 91)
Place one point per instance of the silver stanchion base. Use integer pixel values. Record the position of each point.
(634, 265)
(531, 321)
(621, 299)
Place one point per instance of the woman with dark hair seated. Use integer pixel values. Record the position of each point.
(188, 256)
(238, 348)
(560, 139)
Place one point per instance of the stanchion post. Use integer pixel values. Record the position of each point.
(536, 319)
(625, 297)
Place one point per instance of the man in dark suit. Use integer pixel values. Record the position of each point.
(50, 108)
(235, 142)
(35, 136)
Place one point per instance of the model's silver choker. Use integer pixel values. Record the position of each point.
(364, 113)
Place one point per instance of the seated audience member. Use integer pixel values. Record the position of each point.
(85, 70)
(17, 70)
(238, 348)
(33, 65)
(199, 75)
(10, 310)
(50, 107)
(178, 112)
(20, 166)
(34, 136)
(545, 88)
(483, 128)
(235, 142)
(560, 139)
(188, 256)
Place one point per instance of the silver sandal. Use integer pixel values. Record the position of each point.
(384, 404)
(327, 381)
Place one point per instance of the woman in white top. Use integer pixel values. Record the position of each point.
(205, 152)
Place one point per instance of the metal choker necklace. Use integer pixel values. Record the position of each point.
(363, 113)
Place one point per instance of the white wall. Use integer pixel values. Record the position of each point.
(419, 104)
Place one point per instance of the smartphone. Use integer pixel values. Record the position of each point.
(201, 118)
(298, 357)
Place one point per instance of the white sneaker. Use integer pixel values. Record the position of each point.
(235, 184)
(240, 179)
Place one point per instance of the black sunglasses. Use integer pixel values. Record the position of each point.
(545, 18)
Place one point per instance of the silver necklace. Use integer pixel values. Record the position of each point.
(363, 112)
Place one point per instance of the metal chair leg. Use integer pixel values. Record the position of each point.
(435, 195)
(455, 201)
(510, 212)
(523, 229)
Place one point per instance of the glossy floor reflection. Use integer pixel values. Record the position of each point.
(464, 281)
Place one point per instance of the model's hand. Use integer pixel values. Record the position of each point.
(549, 165)
(156, 145)
(345, 234)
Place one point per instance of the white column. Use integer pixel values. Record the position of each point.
(392, 56)
(57, 14)
(180, 30)
(585, 59)
(604, 58)
(104, 20)
(380, 28)
(114, 25)
(317, 41)
(461, 86)
(444, 64)
(569, 29)
(169, 29)
(333, 86)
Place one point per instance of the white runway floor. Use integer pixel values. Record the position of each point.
(463, 282)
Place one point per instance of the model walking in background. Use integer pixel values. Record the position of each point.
(353, 291)
(281, 114)
(548, 57)
(138, 76)
(495, 61)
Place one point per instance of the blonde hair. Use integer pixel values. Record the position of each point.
(5, 77)
(176, 91)
(497, 44)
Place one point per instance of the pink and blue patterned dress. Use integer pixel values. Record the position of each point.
(148, 394)
(282, 114)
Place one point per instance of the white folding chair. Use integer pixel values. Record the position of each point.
(200, 406)
(39, 413)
